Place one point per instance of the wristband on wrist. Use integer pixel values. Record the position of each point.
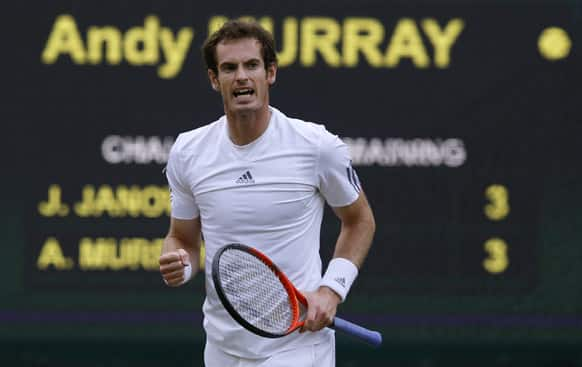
(340, 276)
(187, 273)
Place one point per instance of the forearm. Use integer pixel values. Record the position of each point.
(352, 246)
(355, 239)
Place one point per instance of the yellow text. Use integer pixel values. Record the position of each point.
(497, 260)
(53, 206)
(51, 255)
(498, 206)
(136, 253)
(138, 46)
(123, 254)
(345, 43)
(123, 201)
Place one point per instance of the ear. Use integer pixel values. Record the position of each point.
(272, 73)
(214, 80)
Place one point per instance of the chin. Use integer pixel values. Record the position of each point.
(242, 108)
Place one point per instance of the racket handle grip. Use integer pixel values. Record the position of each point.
(369, 336)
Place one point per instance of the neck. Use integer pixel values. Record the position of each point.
(245, 127)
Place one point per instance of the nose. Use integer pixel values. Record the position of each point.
(241, 74)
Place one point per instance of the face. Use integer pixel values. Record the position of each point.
(242, 79)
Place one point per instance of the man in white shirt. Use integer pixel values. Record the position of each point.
(258, 177)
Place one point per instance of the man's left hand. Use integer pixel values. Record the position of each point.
(322, 306)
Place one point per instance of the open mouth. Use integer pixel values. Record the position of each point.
(243, 92)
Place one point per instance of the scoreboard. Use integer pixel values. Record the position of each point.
(463, 122)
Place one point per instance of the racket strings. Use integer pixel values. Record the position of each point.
(255, 291)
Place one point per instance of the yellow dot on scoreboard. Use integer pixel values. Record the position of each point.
(554, 43)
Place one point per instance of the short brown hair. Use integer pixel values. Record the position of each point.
(235, 30)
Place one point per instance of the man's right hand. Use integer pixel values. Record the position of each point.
(173, 267)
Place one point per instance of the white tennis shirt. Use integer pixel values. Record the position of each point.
(268, 194)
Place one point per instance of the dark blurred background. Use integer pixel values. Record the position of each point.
(464, 122)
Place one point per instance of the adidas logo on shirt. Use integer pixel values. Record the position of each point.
(246, 178)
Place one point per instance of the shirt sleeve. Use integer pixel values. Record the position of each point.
(338, 181)
(181, 197)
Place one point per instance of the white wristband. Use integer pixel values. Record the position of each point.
(340, 276)
(187, 273)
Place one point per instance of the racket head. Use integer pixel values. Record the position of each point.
(256, 293)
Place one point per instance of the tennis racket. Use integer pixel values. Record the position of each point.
(262, 299)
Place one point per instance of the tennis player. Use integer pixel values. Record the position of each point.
(258, 177)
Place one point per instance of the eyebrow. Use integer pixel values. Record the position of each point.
(231, 63)
(226, 64)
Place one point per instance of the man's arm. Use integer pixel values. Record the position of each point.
(357, 231)
(181, 249)
(354, 241)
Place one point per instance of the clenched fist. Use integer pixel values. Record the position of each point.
(175, 267)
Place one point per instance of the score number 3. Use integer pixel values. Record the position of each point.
(497, 209)
(498, 260)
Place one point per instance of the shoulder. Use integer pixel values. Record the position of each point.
(194, 140)
(311, 133)
(330, 149)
